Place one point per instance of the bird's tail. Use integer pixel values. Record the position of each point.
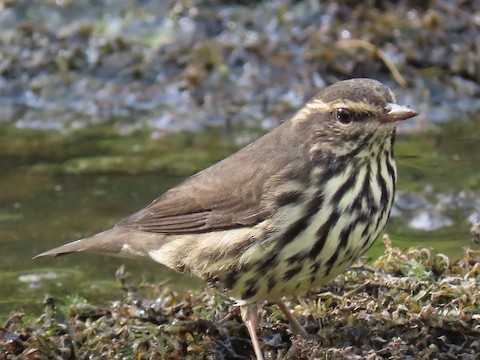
(115, 242)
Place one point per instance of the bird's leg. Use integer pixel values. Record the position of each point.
(249, 317)
(294, 324)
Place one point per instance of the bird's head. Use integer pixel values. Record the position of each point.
(351, 115)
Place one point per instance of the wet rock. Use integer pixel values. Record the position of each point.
(266, 56)
(430, 221)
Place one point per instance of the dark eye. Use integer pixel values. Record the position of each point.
(343, 115)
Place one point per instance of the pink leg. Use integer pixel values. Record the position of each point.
(249, 317)
(294, 324)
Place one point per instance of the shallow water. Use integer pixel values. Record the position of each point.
(57, 187)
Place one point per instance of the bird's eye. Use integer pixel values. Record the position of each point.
(343, 115)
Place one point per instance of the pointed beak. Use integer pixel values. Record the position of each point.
(395, 112)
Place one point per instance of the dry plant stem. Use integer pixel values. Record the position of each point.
(345, 44)
(249, 317)
(294, 324)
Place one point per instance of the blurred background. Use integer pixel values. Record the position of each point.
(104, 105)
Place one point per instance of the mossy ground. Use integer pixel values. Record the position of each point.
(407, 305)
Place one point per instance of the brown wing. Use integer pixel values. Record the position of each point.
(226, 195)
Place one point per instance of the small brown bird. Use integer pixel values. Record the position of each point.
(286, 213)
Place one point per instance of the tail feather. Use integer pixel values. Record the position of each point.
(115, 242)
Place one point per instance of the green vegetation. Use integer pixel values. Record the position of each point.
(414, 304)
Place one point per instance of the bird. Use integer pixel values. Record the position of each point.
(283, 215)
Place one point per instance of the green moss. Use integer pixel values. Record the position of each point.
(411, 303)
